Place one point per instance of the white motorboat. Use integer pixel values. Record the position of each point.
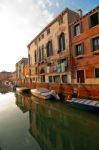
(22, 89)
(44, 93)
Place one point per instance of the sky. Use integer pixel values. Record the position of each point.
(22, 20)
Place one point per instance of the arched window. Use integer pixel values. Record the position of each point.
(35, 56)
(41, 54)
(62, 42)
(49, 49)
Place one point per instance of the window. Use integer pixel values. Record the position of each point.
(94, 19)
(64, 78)
(35, 56)
(95, 43)
(77, 29)
(79, 49)
(80, 76)
(62, 42)
(29, 59)
(63, 64)
(43, 78)
(49, 49)
(51, 79)
(39, 38)
(35, 42)
(48, 30)
(36, 70)
(57, 79)
(97, 72)
(42, 36)
(60, 20)
(41, 54)
(29, 71)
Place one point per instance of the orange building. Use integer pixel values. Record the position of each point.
(85, 50)
(20, 65)
(26, 73)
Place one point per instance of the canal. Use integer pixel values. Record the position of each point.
(28, 123)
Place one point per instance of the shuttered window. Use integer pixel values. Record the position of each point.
(57, 79)
(49, 49)
(35, 56)
(77, 29)
(64, 78)
(94, 19)
(97, 72)
(50, 79)
(62, 42)
(79, 49)
(95, 43)
(41, 54)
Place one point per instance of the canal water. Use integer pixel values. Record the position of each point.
(28, 123)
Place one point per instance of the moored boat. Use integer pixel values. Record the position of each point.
(23, 89)
(84, 104)
(44, 93)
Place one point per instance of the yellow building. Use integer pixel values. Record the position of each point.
(49, 53)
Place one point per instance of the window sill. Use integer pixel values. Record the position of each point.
(77, 34)
(94, 26)
(61, 51)
(79, 56)
(96, 52)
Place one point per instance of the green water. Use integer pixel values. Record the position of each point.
(28, 123)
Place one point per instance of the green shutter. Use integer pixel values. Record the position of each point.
(75, 51)
(51, 48)
(63, 41)
(81, 27)
(98, 17)
(82, 48)
(89, 20)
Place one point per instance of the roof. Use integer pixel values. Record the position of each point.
(90, 12)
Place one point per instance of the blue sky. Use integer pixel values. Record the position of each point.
(85, 5)
(22, 20)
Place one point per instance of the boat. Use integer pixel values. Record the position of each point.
(84, 104)
(44, 93)
(22, 89)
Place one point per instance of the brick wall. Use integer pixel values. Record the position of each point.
(82, 90)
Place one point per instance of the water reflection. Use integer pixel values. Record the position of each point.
(59, 127)
(23, 102)
(14, 125)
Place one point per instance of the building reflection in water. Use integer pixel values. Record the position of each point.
(59, 127)
(23, 102)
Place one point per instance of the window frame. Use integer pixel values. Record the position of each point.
(94, 49)
(61, 41)
(59, 79)
(90, 20)
(95, 73)
(35, 56)
(77, 52)
(49, 49)
(66, 78)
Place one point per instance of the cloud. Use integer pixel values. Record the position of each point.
(20, 21)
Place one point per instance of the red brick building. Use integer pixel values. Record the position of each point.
(85, 51)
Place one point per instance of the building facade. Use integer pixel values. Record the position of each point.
(66, 54)
(85, 48)
(49, 53)
(20, 67)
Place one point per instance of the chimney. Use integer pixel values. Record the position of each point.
(80, 12)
